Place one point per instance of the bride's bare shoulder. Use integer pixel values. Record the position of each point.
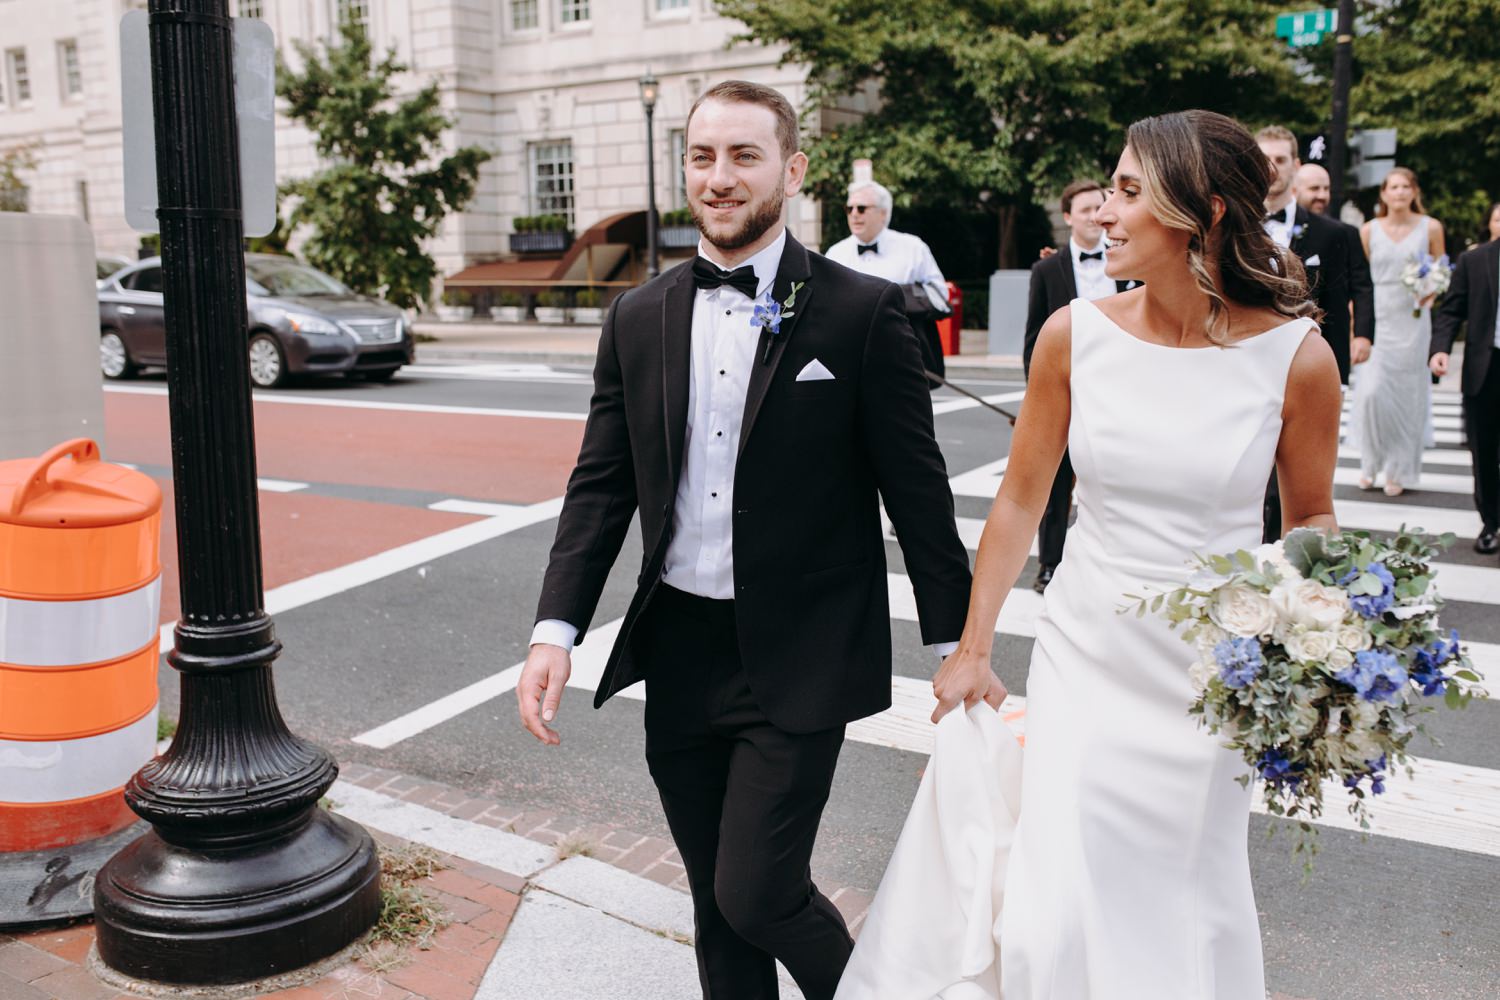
(1054, 343)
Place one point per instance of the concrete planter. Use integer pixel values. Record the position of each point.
(508, 314)
(588, 315)
(551, 314)
(455, 314)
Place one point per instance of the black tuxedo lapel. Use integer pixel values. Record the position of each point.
(677, 363)
(1299, 230)
(1491, 280)
(1070, 281)
(795, 267)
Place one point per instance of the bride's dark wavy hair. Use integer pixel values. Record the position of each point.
(1186, 158)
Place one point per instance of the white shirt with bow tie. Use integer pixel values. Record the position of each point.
(899, 257)
(1088, 275)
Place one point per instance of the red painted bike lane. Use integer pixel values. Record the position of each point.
(499, 459)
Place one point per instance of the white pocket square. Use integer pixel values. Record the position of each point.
(1312, 261)
(814, 372)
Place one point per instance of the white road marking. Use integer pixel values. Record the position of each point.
(1377, 516)
(280, 485)
(479, 507)
(1433, 456)
(365, 404)
(1432, 482)
(497, 373)
(964, 403)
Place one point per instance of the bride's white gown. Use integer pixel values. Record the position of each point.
(1128, 875)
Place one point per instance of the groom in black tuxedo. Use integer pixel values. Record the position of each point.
(754, 407)
(1472, 299)
(1337, 274)
(1077, 270)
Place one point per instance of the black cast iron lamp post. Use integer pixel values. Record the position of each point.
(649, 93)
(243, 876)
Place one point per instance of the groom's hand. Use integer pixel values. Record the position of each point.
(966, 678)
(541, 687)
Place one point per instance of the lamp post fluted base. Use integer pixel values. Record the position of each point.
(175, 914)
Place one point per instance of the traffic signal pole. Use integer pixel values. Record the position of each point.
(1338, 126)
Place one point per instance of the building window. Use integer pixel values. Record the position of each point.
(252, 8)
(573, 11)
(666, 5)
(67, 66)
(679, 176)
(357, 11)
(20, 77)
(552, 179)
(523, 15)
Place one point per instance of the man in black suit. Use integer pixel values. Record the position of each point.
(1329, 255)
(1313, 190)
(754, 407)
(1471, 300)
(1076, 271)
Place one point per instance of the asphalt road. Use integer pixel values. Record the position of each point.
(353, 472)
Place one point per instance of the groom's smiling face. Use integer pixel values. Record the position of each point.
(737, 176)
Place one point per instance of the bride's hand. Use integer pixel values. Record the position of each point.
(965, 677)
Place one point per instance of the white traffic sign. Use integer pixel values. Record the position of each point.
(255, 109)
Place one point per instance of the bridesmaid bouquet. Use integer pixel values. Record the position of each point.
(1425, 277)
(1315, 658)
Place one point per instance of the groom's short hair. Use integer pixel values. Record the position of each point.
(1074, 190)
(745, 92)
(1280, 133)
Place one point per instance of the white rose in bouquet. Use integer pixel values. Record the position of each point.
(1242, 611)
(1340, 659)
(1308, 603)
(1354, 638)
(1273, 553)
(1310, 645)
(1201, 672)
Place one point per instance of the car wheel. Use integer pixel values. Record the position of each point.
(114, 359)
(377, 374)
(267, 362)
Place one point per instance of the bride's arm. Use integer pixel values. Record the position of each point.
(1309, 447)
(1036, 451)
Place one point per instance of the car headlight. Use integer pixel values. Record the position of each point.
(305, 323)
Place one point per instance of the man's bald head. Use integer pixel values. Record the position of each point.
(1313, 188)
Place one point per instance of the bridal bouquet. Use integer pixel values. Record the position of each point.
(1315, 658)
(1425, 277)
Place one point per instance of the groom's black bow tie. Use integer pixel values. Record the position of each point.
(1276, 216)
(1096, 255)
(865, 248)
(707, 275)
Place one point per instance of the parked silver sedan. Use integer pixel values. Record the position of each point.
(301, 322)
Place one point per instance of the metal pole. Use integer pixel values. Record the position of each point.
(652, 264)
(243, 876)
(1338, 126)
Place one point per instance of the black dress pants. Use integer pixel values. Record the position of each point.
(1482, 425)
(743, 800)
(1053, 530)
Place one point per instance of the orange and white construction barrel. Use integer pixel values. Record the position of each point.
(80, 595)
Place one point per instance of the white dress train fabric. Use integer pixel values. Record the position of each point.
(1127, 876)
(933, 929)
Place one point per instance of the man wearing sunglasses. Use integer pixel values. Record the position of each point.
(875, 248)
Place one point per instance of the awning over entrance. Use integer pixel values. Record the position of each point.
(608, 252)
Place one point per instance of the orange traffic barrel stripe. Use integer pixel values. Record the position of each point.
(80, 595)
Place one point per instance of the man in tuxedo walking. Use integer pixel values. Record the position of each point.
(1057, 279)
(1330, 257)
(755, 407)
(1313, 191)
(1471, 299)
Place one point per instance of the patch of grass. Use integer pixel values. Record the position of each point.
(575, 846)
(407, 916)
(165, 728)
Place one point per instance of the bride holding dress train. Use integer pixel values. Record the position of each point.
(1123, 873)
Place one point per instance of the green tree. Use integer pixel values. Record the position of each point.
(388, 187)
(1430, 69)
(999, 103)
(14, 195)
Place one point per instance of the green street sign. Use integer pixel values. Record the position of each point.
(1307, 28)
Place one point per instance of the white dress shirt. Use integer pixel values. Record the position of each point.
(898, 257)
(700, 556)
(1279, 227)
(1088, 275)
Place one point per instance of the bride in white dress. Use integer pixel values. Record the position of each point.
(1128, 875)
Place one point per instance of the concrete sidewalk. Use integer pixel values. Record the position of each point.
(568, 344)
(531, 915)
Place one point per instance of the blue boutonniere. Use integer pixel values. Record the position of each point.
(1297, 230)
(769, 314)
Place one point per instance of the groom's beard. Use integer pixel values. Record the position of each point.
(762, 217)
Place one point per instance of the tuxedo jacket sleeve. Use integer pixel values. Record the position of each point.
(1472, 300)
(1361, 287)
(1448, 318)
(601, 498)
(1048, 294)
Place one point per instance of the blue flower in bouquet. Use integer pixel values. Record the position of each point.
(1427, 671)
(1374, 769)
(1276, 770)
(1366, 604)
(1375, 675)
(1239, 660)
